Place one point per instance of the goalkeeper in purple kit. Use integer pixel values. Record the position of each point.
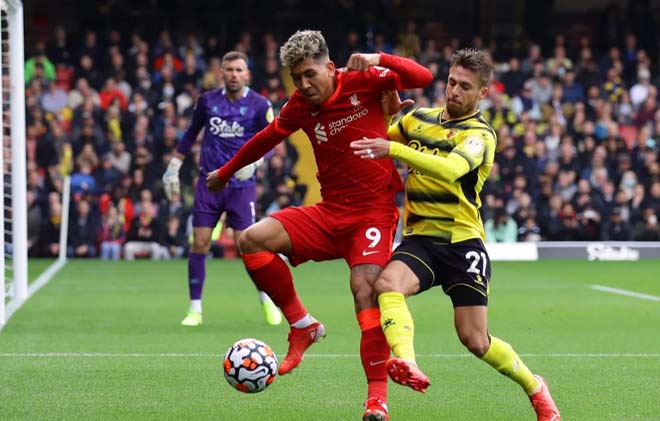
(229, 117)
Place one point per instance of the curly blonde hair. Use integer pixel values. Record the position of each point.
(302, 45)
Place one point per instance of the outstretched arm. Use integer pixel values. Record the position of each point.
(254, 149)
(463, 159)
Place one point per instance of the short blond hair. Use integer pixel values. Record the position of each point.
(302, 45)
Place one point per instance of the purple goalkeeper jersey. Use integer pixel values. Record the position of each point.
(227, 126)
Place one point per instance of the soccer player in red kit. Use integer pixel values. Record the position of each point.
(356, 218)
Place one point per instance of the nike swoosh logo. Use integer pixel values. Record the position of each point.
(315, 113)
(374, 363)
(367, 253)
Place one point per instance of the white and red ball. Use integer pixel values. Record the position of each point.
(250, 365)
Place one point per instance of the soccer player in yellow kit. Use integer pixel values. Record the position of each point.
(449, 152)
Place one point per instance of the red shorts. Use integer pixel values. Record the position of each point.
(328, 231)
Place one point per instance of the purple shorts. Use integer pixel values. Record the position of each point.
(237, 202)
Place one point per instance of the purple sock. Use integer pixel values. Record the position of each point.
(196, 275)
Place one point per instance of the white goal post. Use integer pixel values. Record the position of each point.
(14, 213)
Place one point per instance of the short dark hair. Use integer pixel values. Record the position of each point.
(477, 61)
(234, 55)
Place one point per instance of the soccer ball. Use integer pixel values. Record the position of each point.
(250, 365)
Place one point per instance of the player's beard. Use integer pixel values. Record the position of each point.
(456, 110)
(237, 88)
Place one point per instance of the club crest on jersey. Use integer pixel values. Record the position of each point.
(220, 127)
(355, 102)
(450, 134)
(243, 110)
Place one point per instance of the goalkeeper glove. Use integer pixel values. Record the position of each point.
(171, 178)
(248, 171)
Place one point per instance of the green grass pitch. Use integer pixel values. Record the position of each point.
(102, 341)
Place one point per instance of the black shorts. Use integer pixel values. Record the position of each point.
(462, 269)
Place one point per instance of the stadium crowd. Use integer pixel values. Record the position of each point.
(578, 136)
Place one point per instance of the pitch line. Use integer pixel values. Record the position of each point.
(203, 355)
(625, 292)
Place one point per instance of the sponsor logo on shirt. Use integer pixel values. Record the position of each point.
(319, 132)
(221, 128)
(360, 111)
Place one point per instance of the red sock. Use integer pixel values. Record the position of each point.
(271, 275)
(374, 352)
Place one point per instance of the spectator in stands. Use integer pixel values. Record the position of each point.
(653, 200)
(106, 174)
(54, 99)
(120, 159)
(59, 50)
(513, 78)
(568, 230)
(39, 66)
(501, 229)
(83, 230)
(173, 239)
(647, 229)
(82, 180)
(616, 228)
(111, 94)
(82, 92)
(641, 90)
(87, 70)
(143, 237)
(113, 234)
(572, 89)
(50, 233)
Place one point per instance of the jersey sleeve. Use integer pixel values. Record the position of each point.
(265, 114)
(397, 130)
(465, 157)
(474, 147)
(399, 73)
(254, 149)
(196, 124)
(287, 122)
(289, 118)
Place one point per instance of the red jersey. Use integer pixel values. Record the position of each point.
(351, 113)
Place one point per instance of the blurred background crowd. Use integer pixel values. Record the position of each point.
(576, 113)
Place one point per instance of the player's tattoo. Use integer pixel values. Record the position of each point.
(368, 271)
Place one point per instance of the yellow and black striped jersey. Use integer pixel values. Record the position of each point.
(448, 163)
